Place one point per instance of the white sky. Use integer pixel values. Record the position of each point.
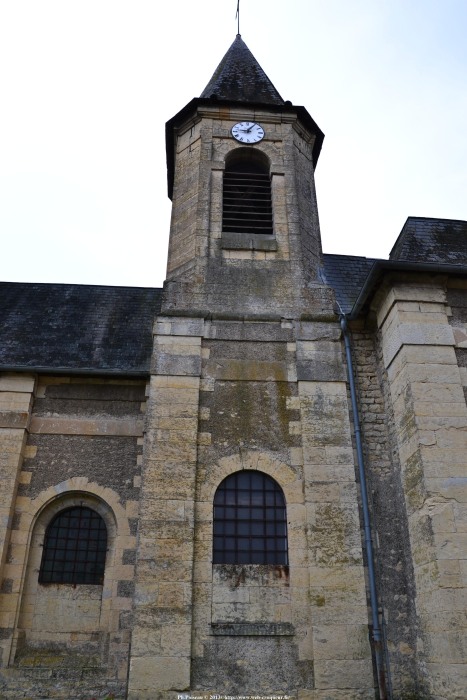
(86, 87)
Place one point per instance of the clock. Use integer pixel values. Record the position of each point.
(247, 132)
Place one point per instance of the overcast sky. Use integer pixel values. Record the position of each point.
(86, 87)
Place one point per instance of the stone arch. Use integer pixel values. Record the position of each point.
(248, 154)
(240, 243)
(250, 520)
(281, 472)
(60, 619)
(287, 478)
(266, 148)
(247, 194)
(230, 590)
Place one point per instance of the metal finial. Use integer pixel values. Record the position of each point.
(237, 17)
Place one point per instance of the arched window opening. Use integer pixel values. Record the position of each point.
(75, 547)
(247, 201)
(250, 522)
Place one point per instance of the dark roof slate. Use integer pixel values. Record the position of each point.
(77, 327)
(426, 240)
(346, 274)
(423, 243)
(240, 78)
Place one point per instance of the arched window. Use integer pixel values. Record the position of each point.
(75, 546)
(247, 204)
(250, 524)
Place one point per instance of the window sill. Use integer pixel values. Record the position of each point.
(248, 241)
(252, 629)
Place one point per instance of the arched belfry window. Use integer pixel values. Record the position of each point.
(250, 524)
(75, 546)
(247, 205)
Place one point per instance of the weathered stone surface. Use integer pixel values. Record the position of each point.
(155, 673)
(430, 431)
(245, 241)
(20, 382)
(247, 414)
(318, 331)
(248, 629)
(240, 370)
(415, 294)
(344, 674)
(14, 419)
(230, 664)
(71, 628)
(311, 370)
(243, 331)
(184, 366)
(340, 642)
(78, 426)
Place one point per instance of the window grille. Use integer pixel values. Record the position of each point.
(74, 548)
(247, 202)
(250, 522)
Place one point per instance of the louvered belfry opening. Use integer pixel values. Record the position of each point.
(247, 205)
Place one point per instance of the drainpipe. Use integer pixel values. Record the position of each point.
(377, 633)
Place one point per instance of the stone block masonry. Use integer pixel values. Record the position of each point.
(81, 445)
(223, 398)
(16, 396)
(161, 646)
(396, 584)
(430, 417)
(339, 615)
(221, 467)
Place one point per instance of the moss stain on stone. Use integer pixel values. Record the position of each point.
(251, 414)
(318, 600)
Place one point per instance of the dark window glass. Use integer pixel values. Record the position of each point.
(249, 532)
(75, 546)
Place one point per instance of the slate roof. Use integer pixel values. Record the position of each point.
(347, 275)
(432, 240)
(237, 79)
(240, 78)
(424, 244)
(77, 327)
(87, 328)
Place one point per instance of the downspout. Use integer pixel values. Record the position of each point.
(377, 632)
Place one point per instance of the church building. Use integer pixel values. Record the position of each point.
(252, 482)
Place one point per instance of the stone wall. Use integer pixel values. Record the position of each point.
(430, 419)
(161, 646)
(393, 557)
(82, 446)
(206, 273)
(226, 396)
(16, 397)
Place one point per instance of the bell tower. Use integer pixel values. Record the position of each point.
(245, 230)
(249, 563)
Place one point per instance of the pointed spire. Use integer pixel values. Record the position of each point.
(240, 78)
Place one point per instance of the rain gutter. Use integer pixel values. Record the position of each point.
(76, 371)
(374, 276)
(381, 266)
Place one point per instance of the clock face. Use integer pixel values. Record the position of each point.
(248, 132)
